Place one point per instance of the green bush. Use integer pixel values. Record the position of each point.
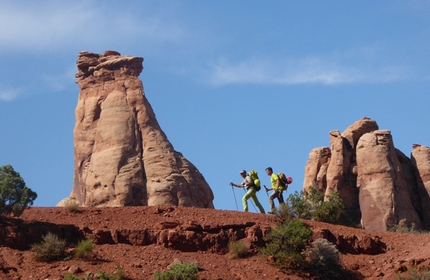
(312, 206)
(179, 271)
(50, 249)
(238, 249)
(84, 249)
(100, 275)
(285, 243)
(70, 276)
(15, 196)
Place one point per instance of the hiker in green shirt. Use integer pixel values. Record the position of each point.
(277, 190)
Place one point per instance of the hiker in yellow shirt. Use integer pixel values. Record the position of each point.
(277, 190)
(248, 184)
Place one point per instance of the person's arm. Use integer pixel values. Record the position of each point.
(236, 185)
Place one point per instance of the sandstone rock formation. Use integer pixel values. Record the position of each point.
(380, 186)
(384, 194)
(122, 157)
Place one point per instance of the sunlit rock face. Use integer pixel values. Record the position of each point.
(380, 186)
(122, 156)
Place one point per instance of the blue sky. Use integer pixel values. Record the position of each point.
(234, 84)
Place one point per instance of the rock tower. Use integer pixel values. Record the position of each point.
(121, 155)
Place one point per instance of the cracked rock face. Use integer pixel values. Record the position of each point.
(122, 157)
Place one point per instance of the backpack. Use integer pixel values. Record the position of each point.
(284, 181)
(254, 176)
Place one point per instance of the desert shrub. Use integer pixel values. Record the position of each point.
(179, 271)
(71, 205)
(415, 274)
(50, 249)
(284, 212)
(323, 253)
(70, 276)
(15, 196)
(406, 229)
(312, 206)
(285, 243)
(238, 249)
(100, 275)
(84, 249)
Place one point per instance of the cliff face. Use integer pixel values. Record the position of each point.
(380, 186)
(122, 156)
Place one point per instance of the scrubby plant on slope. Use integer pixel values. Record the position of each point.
(50, 249)
(84, 249)
(15, 196)
(311, 205)
(285, 244)
(238, 249)
(179, 271)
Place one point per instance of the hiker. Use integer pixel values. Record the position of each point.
(248, 184)
(277, 190)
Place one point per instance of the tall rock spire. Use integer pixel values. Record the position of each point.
(122, 156)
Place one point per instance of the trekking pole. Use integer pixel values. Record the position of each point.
(267, 192)
(251, 202)
(234, 195)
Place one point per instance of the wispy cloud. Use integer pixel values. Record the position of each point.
(10, 93)
(52, 24)
(308, 70)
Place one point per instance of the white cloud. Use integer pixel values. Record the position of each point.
(46, 25)
(9, 94)
(327, 70)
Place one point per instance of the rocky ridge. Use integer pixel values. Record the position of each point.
(144, 239)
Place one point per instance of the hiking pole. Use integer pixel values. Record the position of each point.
(251, 202)
(234, 198)
(267, 192)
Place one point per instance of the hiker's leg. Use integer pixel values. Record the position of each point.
(272, 204)
(281, 198)
(245, 200)
(255, 199)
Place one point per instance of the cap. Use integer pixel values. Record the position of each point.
(242, 172)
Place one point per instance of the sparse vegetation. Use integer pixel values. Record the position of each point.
(50, 249)
(84, 249)
(15, 196)
(415, 274)
(179, 271)
(238, 249)
(324, 257)
(71, 205)
(284, 212)
(312, 206)
(285, 243)
(100, 275)
(405, 229)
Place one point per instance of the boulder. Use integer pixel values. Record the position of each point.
(384, 196)
(122, 156)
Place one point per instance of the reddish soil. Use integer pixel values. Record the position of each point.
(144, 239)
